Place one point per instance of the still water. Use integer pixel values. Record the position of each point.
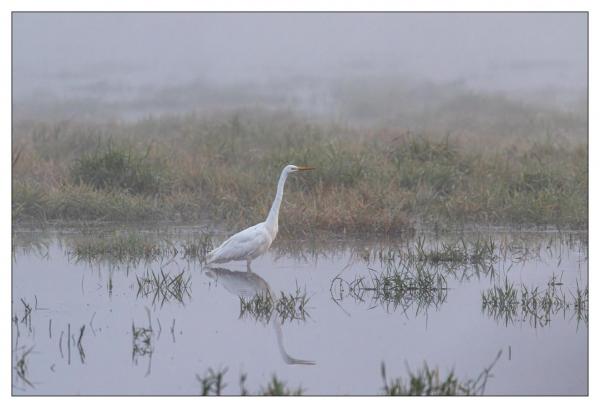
(90, 326)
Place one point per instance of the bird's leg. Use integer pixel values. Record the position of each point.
(248, 266)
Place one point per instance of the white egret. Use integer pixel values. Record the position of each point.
(252, 242)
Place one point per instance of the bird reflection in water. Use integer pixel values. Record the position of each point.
(247, 285)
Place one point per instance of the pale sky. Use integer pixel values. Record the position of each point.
(505, 51)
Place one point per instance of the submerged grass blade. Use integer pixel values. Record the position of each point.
(535, 304)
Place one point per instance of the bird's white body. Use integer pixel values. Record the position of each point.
(246, 245)
(252, 242)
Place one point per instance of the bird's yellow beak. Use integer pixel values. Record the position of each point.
(304, 168)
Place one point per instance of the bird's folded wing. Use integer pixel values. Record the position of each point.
(241, 245)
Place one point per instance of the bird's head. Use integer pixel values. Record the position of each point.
(290, 168)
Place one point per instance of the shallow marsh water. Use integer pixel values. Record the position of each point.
(140, 342)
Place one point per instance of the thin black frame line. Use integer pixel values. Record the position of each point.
(13, 12)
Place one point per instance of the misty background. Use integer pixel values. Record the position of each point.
(397, 69)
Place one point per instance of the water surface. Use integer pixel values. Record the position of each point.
(346, 335)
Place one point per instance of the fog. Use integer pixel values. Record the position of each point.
(187, 61)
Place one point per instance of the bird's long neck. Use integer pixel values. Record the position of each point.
(272, 219)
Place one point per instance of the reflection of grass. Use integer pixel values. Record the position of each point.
(501, 297)
(286, 306)
(164, 287)
(21, 367)
(427, 381)
(26, 319)
(422, 288)
(132, 247)
(226, 167)
(507, 302)
(30, 244)
(142, 341)
(80, 345)
(581, 303)
(399, 286)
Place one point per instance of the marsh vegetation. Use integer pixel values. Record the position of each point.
(286, 306)
(163, 287)
(130, 247)
(511, 303)
(425, 381)
(212, 383)
(223, 166)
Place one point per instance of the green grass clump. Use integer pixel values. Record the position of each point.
(33, 202)
(119, 248)
(478, 252)
(132, 247)
(415, 275)
(501, 297)
(458, 258)
(427, 381)
(538, 305)
(438, 165)
(212, 382)
(404, 287)
(116, 168)
(277, 387)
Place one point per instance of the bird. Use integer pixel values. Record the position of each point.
(254, 241)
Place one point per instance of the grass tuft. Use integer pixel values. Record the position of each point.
(212, 382)
(116, 168)
(164, 287)
(404, 287)
(538, 305)
(286, 306)
(122, 248)
(133, 247)
(276, 387)
(427, 381)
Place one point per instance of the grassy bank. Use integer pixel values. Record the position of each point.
(224, 168)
